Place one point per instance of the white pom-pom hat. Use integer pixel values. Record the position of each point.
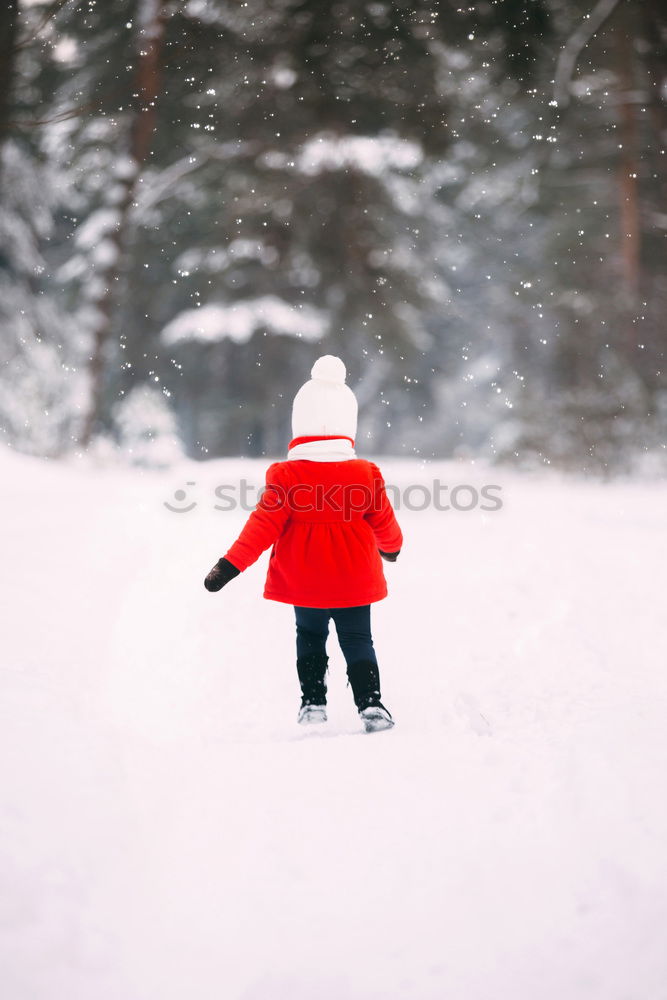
(325, 405)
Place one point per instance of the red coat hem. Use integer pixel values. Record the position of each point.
(307, 602)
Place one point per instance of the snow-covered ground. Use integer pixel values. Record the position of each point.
(169, 832)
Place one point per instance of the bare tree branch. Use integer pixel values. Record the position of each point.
(62, 116)
(158, 187)
(574, 46)
(48, 15)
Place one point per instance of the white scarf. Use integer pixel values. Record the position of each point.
(333, 450)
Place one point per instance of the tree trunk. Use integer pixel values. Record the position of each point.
(655, 59)
(9, 10)
(630, 223)
(151, 22)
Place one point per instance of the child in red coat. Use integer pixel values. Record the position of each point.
(326, 515)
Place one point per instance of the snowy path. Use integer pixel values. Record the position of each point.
(167, 831)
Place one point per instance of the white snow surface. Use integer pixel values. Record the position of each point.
(168, 831)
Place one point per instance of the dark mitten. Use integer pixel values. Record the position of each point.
(389, 556)
(222, 573)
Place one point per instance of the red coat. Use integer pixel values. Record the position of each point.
(326, 522)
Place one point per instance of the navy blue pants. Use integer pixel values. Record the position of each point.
(353, 626)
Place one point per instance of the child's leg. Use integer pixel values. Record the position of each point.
(312, 629)
(353, 626)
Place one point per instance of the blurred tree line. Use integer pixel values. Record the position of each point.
(468, 204)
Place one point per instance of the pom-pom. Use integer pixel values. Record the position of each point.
(329, 368)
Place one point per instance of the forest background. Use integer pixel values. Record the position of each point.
(468, 204)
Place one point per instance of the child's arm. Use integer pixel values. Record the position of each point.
(261, 530)
(382, 520)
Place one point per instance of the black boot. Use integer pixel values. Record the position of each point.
(312, 673)
(364, 678)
